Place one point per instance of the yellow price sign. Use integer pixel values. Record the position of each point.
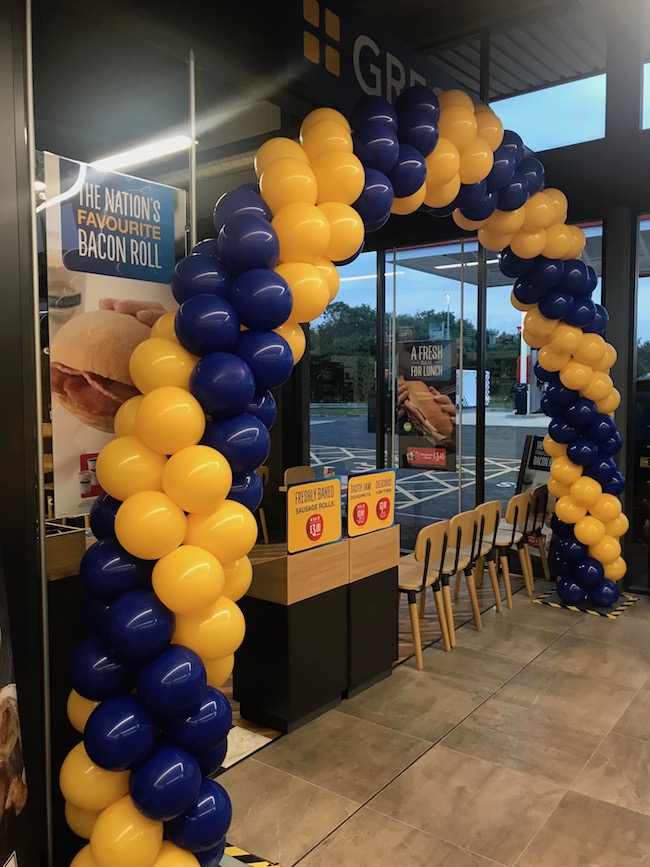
(313, 514)
(371, 502)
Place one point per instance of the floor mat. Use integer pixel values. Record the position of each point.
(235, 857)
(624, 602)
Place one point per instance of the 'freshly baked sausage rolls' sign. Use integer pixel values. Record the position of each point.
(314, 514)
(426, 404)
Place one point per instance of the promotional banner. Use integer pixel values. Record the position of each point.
(371, 502)
(314, 514)
(535, 470)
(111, 244)
(426, 404)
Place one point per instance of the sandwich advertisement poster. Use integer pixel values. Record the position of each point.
(111, 244)
(426, 404)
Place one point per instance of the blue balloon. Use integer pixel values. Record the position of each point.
(513, 144)
(263, 407)
(611, 446)
(602, 428)
(574, 278)
(581, 413)
(561, 528)
(514, 266)
(470, 195)
(614, 485)
(377, 146)
(212, 857)
(503, 169)
(484, 209)
(525, 292)
(418, 128)
(197, 274)
(222, 383)
(374, 227)
(572, 550)
(205, 324)
(556, 304)
(102, 517)
(546, 273)
(247, 489)
(355, 255)
(248, 241)
(173, 683)
(561, 394)
(107, 570)
(589, 573)
(373, 108)
(205, 822)
(409, 172)
(166, 784)
(269, 357)
(605, 594)
(570, 592)
(445, 211)
(602, 469)
(549, 406)
(93, 613)
(582, 452)
(582, 313)
(561, 431)
(545, 375)
(599, 323)
(592, 280)
(262, 299)
(377, 197)
(558, 565)
(120, 734)
(207, 247)
(514, 194)
(243, 440)
(205, 727)
(418, 96)
(96, 674)
(212, 760)
(534, 173)
(237, 202)
(138, 627)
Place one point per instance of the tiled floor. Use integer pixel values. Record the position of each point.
(527, 745)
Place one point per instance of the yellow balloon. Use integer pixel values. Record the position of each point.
(476, 161)
(229, 531)
(607, 508)
(276, 149)
(340, 177)
(618, 526)
(83, 858)
(214, 632)
(442, 163)
(528, 244)
(556, 489)
(489, 127)
(606, 362)
(586, 491)
(320, 114)
(575, 375)
(287, 181)
(606, 551)
(170, 419)
(126, 466)
(539, 212)
(455, 97)
(309, 289)
(325, 136)
(303, 232)
(295, 337)
(150, 525)
(569, 511)
(457, 124)
(505, 222)
(330, 273)
(553, 449)
(441, 195)
(80, 821)
(559, 240)
(589, 530)
(123, 837)
(578, 245)
(79, 709)
(197, 478)
(551, 360)
(591, 349)
(610, 403)
(493, 240)
(560, 202)
(164, 327)
(171, 856)
(565, 471)
(519, 306)
(615, 570)
(218, 670)
(533, 340)
(537, 323)
(87, 786)
(156, 362)
(566, 338)
(346, 231)
(124, 424)
(599, 387)
(409, 204)
(238, 578)
(464, 223)
(188, 579)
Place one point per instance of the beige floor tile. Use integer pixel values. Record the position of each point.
(414, 702)
(469, 802)
(584, 703)
(609, 662)
(278, 816)
(583, 832)
(368, 838)
(640, 610)
(619, 773)
(506, 638)
(525, 612)
(623, 630)
(533, 742)
(475, 671)
(344, 754)
(635, 721)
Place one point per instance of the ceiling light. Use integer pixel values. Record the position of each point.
(371, 276)
(144, 153)
(464, 264)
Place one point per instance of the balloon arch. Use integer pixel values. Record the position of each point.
(176, 522)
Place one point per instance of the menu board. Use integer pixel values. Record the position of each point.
(314, 514)
(371, 502)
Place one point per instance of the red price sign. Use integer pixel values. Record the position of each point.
(315, 527)
(360, 514)
(383, 508)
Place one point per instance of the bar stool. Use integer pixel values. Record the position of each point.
(534, 527)
(463, 531)
(489, 515)
(511, 534)
(263, 473)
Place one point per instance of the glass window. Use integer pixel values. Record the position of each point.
(645, 109)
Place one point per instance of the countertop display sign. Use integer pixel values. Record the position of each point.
(314, 514)
(111, 244)
(371, 502)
